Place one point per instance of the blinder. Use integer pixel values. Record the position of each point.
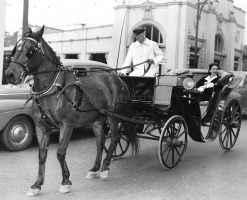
(33, 54)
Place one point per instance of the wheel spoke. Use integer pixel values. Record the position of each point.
(224, 130)
(169, 132)
(179, 127)
(173, 161)
(235, 136)
(168, 154)
(178, 152)
(227, 139)
(120, 146)
(181, 134)
(224, 138)
(236, 118)
(230, 137)
(124, 138)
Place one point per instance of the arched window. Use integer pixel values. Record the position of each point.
(218, 43)
(219, 50)
(152, 33)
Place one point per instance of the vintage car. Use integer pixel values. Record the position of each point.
(16, 121)
(242, 89)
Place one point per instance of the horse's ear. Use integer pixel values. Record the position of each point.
(29, 31)
(39, 34)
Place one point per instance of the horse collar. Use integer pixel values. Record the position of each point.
(49, 90)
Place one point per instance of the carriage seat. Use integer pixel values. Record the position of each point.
(141, 88)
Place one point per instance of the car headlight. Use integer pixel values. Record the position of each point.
(188, 83)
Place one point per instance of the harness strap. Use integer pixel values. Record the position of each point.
(74, 105)
(102, 110)
(18, 63)
(47, 122)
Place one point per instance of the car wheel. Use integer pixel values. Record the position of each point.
(18, 134)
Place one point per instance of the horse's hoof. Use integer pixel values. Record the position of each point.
(91, 175)
(33, 192)
(64, 188)
(104, 174)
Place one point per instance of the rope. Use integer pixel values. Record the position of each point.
(68, 69)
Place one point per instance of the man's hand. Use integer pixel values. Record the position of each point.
(121, 74)
(150, 61)
(210, 85)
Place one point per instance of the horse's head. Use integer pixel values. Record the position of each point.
(26, 56)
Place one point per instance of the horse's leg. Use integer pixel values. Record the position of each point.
(43, 140)
(98, 128)
(115, 137)
(65, 134)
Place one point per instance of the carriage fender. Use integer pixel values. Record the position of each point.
(227, 96)
(10, 108)
(192, 116)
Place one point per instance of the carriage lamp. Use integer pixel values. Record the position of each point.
(188, 83)
(200, 5)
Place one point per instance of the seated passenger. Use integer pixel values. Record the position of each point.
(206, 85)
(140, 51)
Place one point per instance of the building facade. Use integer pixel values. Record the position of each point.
(171, 23)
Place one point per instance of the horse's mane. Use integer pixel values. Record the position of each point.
(47, 48)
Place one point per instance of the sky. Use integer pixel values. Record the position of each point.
(65, 14)
(60, 13)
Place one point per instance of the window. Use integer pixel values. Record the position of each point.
(236, 63)
(192, 58)
(219, 56)
(218, 46)
(71, 56)
(100, 57)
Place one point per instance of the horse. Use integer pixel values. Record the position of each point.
(64, 101)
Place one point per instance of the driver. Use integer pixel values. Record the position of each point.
(140, 51)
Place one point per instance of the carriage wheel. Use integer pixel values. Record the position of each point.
(173, 142)
(230, 125)
(122, 145)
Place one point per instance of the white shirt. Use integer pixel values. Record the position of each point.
(139, 53)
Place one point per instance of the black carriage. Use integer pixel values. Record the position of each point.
(169, 109)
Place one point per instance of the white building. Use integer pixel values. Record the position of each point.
(171, 24)
(2, 34)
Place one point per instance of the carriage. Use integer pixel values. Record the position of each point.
(169, 110)
(165, 108)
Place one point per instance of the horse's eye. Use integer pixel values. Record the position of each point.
(30, 53)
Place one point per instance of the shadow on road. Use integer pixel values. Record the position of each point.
(78, 134)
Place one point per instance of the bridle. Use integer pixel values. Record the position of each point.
(33, 54)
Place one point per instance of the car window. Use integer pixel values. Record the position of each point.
(243, 83)
(98, 68)
(81, 70)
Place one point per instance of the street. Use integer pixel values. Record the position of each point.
(206, 172)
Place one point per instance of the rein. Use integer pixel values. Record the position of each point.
(38, 51)
(50, 90)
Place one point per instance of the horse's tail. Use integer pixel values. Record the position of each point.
(130, 130)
